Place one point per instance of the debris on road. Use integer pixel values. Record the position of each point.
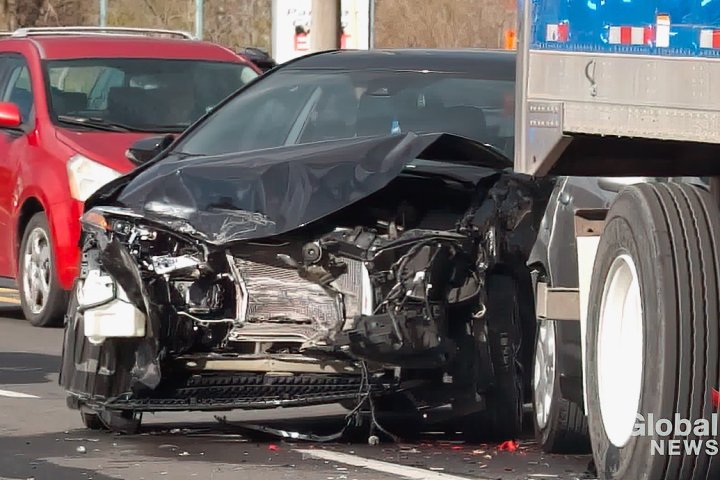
(81, 449)
(508, 446)
(169, 446)
(275, 432)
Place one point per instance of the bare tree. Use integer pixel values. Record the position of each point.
(242, 23)
(442, 23)
(28, 13)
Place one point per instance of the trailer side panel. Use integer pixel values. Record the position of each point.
(636, 69)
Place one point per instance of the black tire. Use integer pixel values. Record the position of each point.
(121, 421)
(672, 233)
(53, 310)
(565, 430)
(502, 418)
(91, 421)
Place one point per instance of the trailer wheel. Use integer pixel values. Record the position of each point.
(560, 423)
(652, 332)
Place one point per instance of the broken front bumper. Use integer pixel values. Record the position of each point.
(115, 357)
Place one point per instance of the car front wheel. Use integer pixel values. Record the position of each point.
(42, 298)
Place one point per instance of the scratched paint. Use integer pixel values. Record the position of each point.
(591, 25)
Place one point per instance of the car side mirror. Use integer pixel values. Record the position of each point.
(148, 148)
(10, 116)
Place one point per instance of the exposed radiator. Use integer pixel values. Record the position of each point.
(281, 304)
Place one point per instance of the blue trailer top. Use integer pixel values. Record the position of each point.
(685, 28)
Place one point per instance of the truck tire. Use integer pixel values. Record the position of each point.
(560, 423)
(502, 418)
(652, 336)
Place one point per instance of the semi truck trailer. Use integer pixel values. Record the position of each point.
(631, 88)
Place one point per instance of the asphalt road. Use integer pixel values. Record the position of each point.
(41, 439)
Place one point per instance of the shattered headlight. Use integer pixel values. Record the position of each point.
(95, 220)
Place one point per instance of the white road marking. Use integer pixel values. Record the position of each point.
(11, 394)
(379, 466)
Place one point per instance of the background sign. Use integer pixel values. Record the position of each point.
(291, 27)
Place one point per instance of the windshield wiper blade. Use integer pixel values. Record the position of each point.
(93, 122)
(175, 128)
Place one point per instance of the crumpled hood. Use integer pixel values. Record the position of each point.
(262, 193)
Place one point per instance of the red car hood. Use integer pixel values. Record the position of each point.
(107, 148)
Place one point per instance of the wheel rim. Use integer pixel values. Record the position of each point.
(37, 270)
(620, 350)
(544, 372)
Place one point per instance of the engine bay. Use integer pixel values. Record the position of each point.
(398, 252)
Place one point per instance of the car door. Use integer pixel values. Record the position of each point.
(15, 87)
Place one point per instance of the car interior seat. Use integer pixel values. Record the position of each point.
(68, 102)
(375, 115)
(465, 121)
(418, 111)
(130, 105)
(331, 120)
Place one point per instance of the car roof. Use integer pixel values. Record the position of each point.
(56, 47)
(465, 60)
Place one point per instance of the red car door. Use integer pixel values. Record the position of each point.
(14, 87)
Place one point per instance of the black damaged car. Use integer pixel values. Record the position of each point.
(344, 229)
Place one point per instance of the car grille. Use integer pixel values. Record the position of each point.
(223, 391)
(281, 304)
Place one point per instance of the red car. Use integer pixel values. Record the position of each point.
(72, 103)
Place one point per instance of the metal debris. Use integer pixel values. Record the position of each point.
(275, 432)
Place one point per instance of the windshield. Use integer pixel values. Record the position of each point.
(303, 106)
(140, 94)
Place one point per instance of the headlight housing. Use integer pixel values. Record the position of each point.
(86, 176)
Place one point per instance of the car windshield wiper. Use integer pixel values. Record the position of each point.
(95, 123)
(175, 128)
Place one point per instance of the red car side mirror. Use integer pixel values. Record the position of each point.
(10, 116)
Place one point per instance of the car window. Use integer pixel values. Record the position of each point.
(18, 89)
(142, 94)
(303, 106)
